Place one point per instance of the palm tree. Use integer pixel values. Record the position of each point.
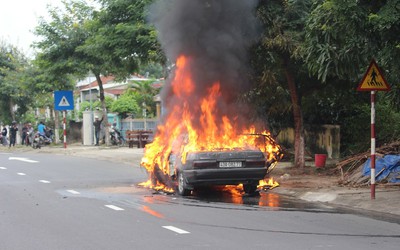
(146, 92)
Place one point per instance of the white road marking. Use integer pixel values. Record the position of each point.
(44, 181)
(3, 168)
(21, 174)
(21, 159)
(73, 191)
(176, 230)
(114, 207)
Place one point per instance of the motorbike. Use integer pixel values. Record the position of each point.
(116, 137)
(40, 140)
(49, 133)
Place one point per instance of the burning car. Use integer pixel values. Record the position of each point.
(188, 170)
(199, 143)
(221, 167)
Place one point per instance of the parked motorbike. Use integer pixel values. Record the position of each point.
(40, 140)
(49, 133)
(116, 137)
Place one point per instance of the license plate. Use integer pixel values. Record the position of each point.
(230, 164)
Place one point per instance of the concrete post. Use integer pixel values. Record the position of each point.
(87, 128)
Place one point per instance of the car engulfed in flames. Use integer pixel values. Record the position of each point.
(198, 145)
(218, 167)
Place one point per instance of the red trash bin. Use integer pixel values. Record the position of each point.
(320, 160)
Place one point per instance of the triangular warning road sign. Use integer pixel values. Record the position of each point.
(373, 79)
(64, 102)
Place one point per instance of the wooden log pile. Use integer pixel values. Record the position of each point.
(351, 167)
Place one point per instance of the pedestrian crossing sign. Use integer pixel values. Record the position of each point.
(63, 100)
(373, 79)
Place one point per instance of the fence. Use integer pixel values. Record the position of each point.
(138, 124)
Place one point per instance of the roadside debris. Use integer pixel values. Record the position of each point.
(355, 170)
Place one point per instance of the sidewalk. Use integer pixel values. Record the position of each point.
(313, 187)
(316, 187)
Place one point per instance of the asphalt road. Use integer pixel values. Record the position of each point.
(52, 201)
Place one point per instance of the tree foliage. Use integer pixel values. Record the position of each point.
(127, 104)
(145, 96)
(15, 83)
(95, 105)
(278, 59)
(109, 41)
(342, 37)
(122, 32)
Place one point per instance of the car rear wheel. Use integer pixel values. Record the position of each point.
(250, 188)
(182, 189)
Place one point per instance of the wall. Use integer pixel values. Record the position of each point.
(323, 139)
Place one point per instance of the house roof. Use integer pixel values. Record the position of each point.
(116, 88)
(104, 79)
(110, 79)
(114, 91)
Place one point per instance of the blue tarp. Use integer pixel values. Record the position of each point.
(386, 168)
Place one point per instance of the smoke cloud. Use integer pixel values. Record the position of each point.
(216, 35)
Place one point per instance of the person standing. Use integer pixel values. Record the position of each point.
(97, 128)
(4, 136)
(24, 133)
(13, 133)
(30, 134)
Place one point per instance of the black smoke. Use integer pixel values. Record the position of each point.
(216, 34)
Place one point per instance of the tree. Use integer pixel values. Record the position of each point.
(127, 104)
(280, 46)
(123, 32)
(146, 93)
(341, 39)
(152, 70)
(335, 43)
(110, 41)
(15, 83)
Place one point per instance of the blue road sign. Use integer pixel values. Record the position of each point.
(63, 100)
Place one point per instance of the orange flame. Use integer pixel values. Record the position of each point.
(268, 184)
(157, 187)
(193, 125)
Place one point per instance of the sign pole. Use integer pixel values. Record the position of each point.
(65, 129)
(373, 81)
(64, 100)
(373, 145)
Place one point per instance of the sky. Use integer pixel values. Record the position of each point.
(18, 19)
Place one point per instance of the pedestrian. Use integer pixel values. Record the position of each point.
(29, 135)
(97, 128)
(13, 133)
(4, 136)
(24, 133)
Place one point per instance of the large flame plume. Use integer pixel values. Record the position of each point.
(192, 126)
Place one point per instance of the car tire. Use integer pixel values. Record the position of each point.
(250, 188)
(182, 189)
